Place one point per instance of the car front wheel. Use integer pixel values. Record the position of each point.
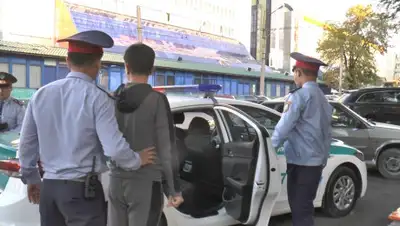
(389, 163)
(341, 192)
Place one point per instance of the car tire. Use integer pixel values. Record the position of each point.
(382, 166)
(163, 221)
(329, 205)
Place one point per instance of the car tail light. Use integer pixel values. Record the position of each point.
(10, 167)
(395, 216)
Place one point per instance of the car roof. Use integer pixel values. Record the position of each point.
(182, 101)
(281, 101)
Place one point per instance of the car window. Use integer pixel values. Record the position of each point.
(371, 97)
(265, 118)
(343, 97)
(240, 130)
(391, 97)
(189, 117)
(276, 106)
(342, 119)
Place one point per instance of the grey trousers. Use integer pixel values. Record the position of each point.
(134, 202)
(62, 203)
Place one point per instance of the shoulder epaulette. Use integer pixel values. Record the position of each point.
(20, 103)
(108, 94)
(294, 90)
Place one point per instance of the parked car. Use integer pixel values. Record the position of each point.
(378, 104)
(380, 142)
(244, 174)
(253, 98)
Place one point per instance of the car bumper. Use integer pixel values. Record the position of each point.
(362, 166)
(15, 209)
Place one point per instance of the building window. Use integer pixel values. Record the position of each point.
(159, 80)
(268, 93)
(4, 67)
(103, 78)
(278, 91)
(35, 76)
(170, 80)
(19, 71)
(287, 89)
(197, 80)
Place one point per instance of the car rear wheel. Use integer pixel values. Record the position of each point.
(341, 192)
(389, 163)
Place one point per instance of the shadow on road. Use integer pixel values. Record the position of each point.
(382, 197)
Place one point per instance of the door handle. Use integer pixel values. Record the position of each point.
(230, 153)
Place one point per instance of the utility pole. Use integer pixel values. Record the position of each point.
(341, 73)
(262, 76)
(267, 33)
(54, 36)
(139, 23)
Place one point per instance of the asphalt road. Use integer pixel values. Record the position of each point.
(382, 197)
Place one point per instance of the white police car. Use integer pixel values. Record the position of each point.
(231, 173)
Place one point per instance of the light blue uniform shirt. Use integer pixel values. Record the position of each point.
(68, 122)
(13, 113)
(305, 127)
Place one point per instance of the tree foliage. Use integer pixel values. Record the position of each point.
(392, 6)
(355, 41)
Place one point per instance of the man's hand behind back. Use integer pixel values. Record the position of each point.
(148, 156)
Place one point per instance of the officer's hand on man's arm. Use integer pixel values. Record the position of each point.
(147, 156)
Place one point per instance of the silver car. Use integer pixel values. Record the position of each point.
(380, 142)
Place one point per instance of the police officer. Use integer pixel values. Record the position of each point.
(12, 111)
(305, 131)
(70, 124)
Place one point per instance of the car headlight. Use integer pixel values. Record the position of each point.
(359, 155)
(15, 143)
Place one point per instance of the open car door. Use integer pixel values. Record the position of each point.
(249, 167)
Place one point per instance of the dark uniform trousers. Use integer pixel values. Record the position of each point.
(62, 203)
(302, 186)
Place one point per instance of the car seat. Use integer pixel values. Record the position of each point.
(206, 173)
(180, 135)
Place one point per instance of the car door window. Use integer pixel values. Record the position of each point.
(391, 97)
(342, 119)
(265, 118)
(375, 97)
(276, 106)
(240, 130)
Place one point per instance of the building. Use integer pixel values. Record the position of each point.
(184, 56)
(396, 72)
(290, 31)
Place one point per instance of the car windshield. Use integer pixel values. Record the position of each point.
(23, 94)
(359, 116)
(343, 97)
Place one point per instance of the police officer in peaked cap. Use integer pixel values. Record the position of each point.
(304, 130)
(12, 111)
(71, 127)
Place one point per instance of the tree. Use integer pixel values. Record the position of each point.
(356, 41)
(392, 6)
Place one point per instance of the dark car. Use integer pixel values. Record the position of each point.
(380, 104)
(378, 141)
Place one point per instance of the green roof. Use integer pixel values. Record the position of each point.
(57, 52)
(22, 93)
